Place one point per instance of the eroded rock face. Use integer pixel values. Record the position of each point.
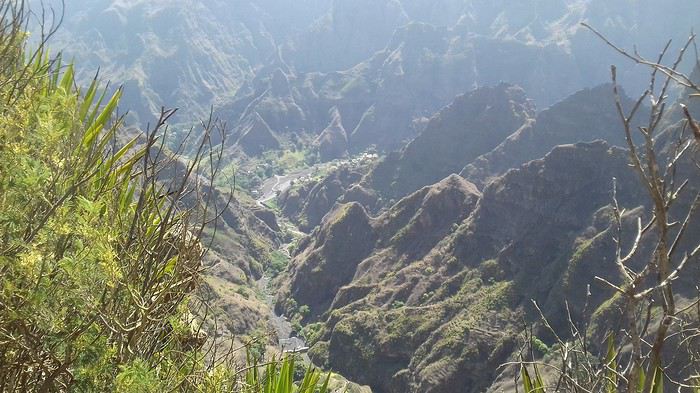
(481, 134)
(333, 141)
(256, 136)
(308, 204)
(433, 305)
(472, 125)
(585, 116)
(344, 239)
(336, 43)
(534, 219)
(189, 54)
(268, 217)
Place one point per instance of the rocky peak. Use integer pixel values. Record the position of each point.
(279, 83)
(332, 143)
(543, 201)
(337, 42)
(420, 220)
(256, 136)
(416, 36)
(585, 116)
(344, 238)
(473, 124)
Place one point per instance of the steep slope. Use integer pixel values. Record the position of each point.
(439, 282)
(238, 239)
(348, 234)
(481, 135)
(584, 116)
(420, 70)
(184, 53)
(335, 42)
(473, 124)
(197, 53)
(333, 141)
(256, 136)
(306, 205)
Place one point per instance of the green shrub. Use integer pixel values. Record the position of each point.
(243, 292)
(278, 262)
(279, 377)
(539, 346)
(100, 246)
(396, 304)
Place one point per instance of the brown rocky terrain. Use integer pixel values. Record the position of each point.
(480, 135)
(333, 141)
(430, 294)
(584, 116)
(441, 280)
(473, 124)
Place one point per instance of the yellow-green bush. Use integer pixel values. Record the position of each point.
(100, 247)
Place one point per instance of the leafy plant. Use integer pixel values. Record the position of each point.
(277, 376)
(532, 385)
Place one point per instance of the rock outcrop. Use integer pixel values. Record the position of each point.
(585, 116)
(308, 204)
(472, 125)
(256, 136)
(333, 141)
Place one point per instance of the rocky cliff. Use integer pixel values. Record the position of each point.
(439, 282)
(472, 125)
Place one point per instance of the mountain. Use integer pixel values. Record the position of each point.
(420, 70)
(190, 54)
(428, 295)
(493, 144)
(308, 203)
(480, 135)
(473, 124)
(422, 67)
(423, 171)
(333, 141)
(586, 115)
(334, 42)
(384, 64)
(239, 237)
(256, 136)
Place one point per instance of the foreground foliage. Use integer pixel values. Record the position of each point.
(100, 248)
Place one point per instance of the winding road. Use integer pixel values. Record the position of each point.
(277, 184)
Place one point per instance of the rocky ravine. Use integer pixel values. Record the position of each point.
(429, 293)
(427, 297)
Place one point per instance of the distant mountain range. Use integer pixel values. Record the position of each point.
(375, 60)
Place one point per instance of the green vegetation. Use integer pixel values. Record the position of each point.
(278, 376)
(313, 333)
(97, 265)
(396, 304)
(249, 173)
(100, 250)
(277, 263)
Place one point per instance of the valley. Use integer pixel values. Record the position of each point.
(413, 196)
